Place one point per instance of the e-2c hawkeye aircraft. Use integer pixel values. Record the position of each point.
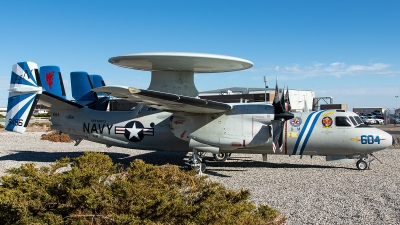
(171, 117)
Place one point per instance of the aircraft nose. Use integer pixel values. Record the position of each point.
(387, 139)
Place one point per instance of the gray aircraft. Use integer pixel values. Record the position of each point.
(170, 116)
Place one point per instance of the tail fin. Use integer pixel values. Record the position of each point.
(98, 81)
(25, 90)
(52, 81)
(82, 84)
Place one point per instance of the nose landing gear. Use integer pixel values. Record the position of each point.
(363, 163)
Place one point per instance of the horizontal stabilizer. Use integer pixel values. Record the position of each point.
(165, 101)
(50, 100)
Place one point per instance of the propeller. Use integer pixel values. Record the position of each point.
(281, 110)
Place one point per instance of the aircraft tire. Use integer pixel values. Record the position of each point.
(362, 165)
(203, 167)
(221, 157)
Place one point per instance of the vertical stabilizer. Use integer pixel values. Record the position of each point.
(81, 85)
(52, 81)
(98, 81)
(25, 90)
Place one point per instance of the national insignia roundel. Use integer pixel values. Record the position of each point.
(134, 131)
(295, 122)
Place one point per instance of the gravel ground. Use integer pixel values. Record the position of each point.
(306, 191)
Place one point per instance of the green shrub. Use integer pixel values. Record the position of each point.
(93, 192)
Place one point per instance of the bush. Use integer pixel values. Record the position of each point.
(92, 192)
(56, 136)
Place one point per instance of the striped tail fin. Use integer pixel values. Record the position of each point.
(25, 90)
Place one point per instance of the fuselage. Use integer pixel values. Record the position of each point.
(331, 132)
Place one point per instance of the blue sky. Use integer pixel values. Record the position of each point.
(349, 50)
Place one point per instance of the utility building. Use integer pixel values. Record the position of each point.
(299, 99)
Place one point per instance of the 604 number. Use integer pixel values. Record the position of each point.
(370, 139)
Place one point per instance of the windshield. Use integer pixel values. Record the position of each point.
(353, 121)
(342, 121)
(358, 119)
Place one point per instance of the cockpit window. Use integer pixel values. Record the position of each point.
(353, 120)
(358, 119)
(342, 121)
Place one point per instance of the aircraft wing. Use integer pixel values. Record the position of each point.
(165, 101)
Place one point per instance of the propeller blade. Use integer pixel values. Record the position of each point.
(279, 106)
(277, 127)
(287, 100)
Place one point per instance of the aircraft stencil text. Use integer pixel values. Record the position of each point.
(370, 139)
(96, 128)
(16, 122)
(97, 121)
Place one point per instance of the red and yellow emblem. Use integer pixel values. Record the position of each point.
(327, 122)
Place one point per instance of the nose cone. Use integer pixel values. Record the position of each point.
(374, 139)
(386, 140)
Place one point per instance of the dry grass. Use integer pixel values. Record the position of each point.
(56, 136)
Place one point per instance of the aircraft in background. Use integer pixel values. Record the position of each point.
(170, 116)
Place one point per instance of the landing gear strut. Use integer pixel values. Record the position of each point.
(195, 162)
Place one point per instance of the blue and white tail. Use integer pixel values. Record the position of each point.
(25, 90)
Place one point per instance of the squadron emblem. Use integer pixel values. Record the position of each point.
(327, 122)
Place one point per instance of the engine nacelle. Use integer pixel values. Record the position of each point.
(246, 125)
(233, 132)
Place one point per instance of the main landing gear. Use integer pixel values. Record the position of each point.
(195, 162)
(222, 157)
(364, 163)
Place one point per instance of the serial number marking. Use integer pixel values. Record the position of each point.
(16, 122)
